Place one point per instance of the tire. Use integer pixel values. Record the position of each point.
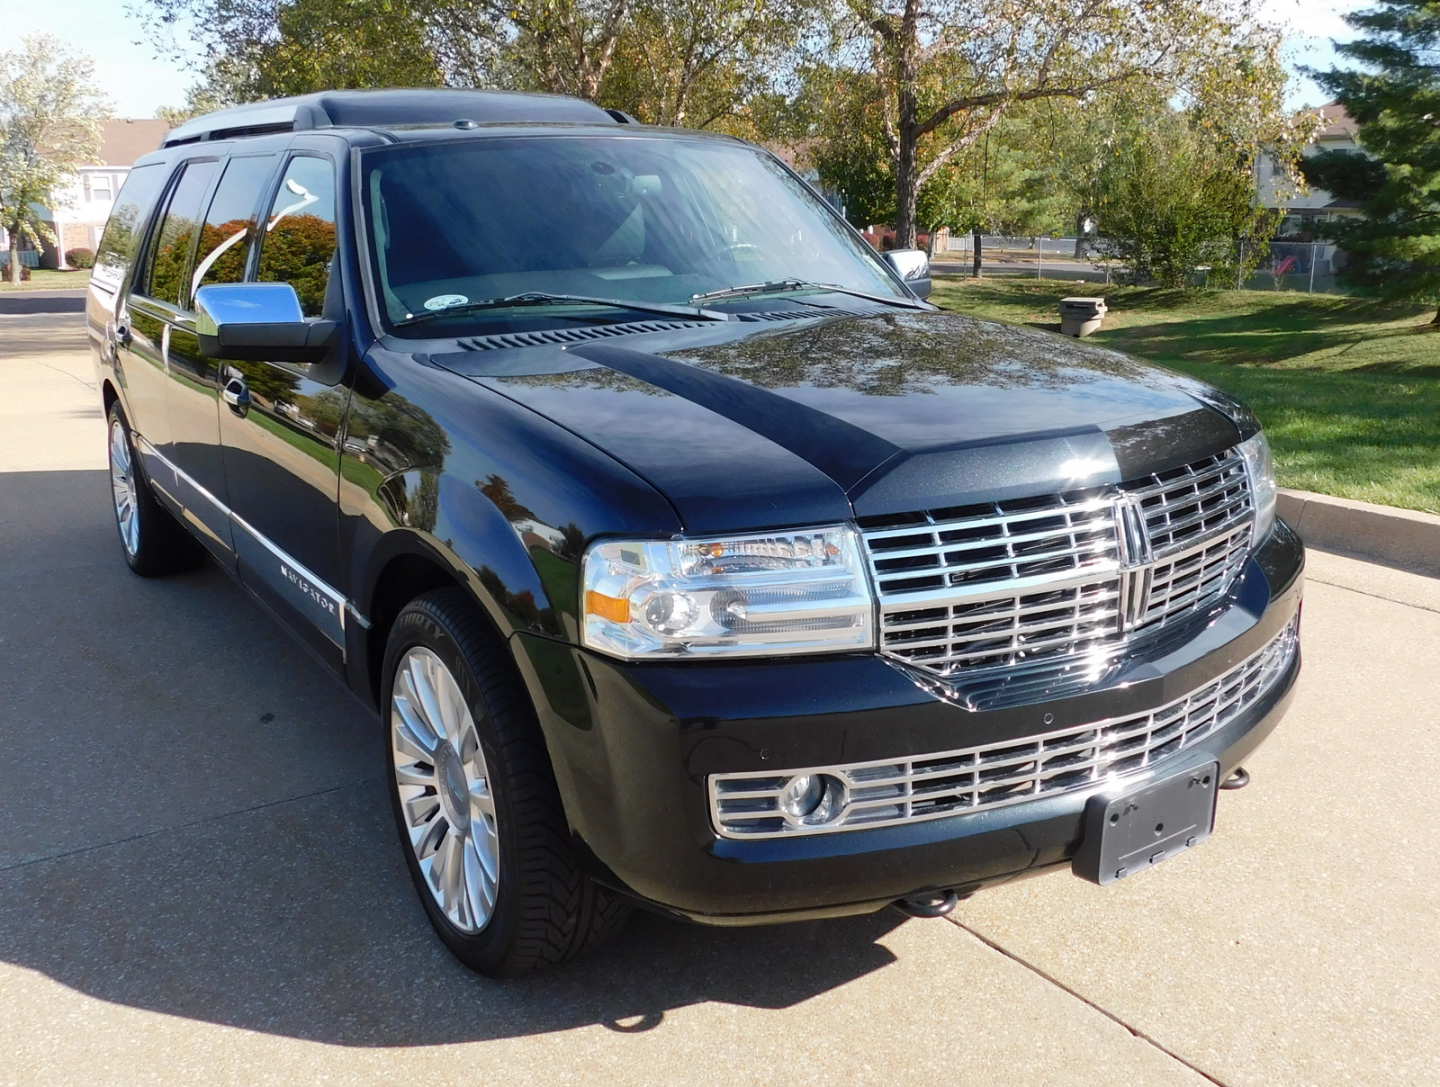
(502, 810)
(153, 542)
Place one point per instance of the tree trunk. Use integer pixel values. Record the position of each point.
(976, 256)
(906, 44)
(15, 256)
(906, 193)
(1436, 322)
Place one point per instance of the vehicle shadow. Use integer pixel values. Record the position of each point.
(192, 823)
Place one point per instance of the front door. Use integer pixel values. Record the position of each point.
(193, 391)
(280, 424)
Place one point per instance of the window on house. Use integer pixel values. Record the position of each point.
(99, 187)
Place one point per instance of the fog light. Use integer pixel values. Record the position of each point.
(812, 798)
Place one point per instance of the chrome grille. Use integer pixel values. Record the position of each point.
(1196, 502)
(1051, 580)
(884, 793)
(1195, 577)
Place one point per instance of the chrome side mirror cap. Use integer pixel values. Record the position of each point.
(913, 266)
(258, 322)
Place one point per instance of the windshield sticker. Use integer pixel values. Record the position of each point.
(445, 301)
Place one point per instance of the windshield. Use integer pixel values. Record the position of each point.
(610, 217)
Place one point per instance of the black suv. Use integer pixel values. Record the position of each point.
(689, 556)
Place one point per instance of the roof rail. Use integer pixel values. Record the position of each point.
(366, 109)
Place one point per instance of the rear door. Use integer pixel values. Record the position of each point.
(280, 422)
(114, 257)
(146, 319)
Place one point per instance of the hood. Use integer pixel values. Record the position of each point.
(825, 419)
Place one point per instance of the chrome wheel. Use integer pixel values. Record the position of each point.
(124, 488)
(444, 790)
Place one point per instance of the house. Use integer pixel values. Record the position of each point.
(1337, 132)
(80, 208)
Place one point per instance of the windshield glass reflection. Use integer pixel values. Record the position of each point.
(653, 220)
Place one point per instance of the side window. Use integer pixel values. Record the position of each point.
(167, 268)
(299, 237)
(127, 222)
(229, 228)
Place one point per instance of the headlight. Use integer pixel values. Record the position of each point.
(728, 596)
(1261, 467)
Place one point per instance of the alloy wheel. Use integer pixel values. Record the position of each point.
(123, 487)
(444, 789)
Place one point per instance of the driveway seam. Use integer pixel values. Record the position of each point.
(1373, 596)
(1135, 1031)
(142, 835)
(78, 380)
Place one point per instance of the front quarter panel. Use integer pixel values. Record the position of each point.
(434, 465)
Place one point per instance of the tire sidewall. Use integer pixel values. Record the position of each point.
(483, 950)
(139, 488)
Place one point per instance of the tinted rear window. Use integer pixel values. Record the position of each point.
(127, 222)
(174, 242)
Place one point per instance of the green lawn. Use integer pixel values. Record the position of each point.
(1348, 389)
(47, 279)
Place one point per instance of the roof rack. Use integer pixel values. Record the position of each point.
(365, 109)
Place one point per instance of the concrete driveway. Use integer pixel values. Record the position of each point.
(199, 882)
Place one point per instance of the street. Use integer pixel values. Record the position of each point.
(199, 878)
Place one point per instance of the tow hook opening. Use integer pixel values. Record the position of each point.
(1238, 779)
(934, 904)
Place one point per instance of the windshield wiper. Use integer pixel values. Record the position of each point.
(801, 285)
(543, 298)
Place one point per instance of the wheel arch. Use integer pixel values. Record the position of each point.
(497, 574)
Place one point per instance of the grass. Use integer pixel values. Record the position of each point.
(1348, 389)
(47, 279)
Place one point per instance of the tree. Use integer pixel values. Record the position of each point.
(668, 61)
(266, 48)
(1009, 181)
(253, 49)
(1395, 98)
(1174, 185)
(950, 70)
(700, 62)
(561, 46)
(49, 125)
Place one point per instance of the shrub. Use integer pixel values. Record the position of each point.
(80, 258)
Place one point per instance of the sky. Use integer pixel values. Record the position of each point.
(138, 83)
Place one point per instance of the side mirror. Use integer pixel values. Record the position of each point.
(258, 322)
(913, 266)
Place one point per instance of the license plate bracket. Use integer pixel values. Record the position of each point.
(1129, 831)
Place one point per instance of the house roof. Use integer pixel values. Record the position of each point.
(123, 140)
(1335, 123)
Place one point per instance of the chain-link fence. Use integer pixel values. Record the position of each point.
(1289, 266)
(1298, 266)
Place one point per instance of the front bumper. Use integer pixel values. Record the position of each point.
(634, 747)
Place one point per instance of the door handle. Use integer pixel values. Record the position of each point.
(236, 394)
(121, 336)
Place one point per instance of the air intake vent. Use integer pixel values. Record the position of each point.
(565, 336)
(802, 314)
